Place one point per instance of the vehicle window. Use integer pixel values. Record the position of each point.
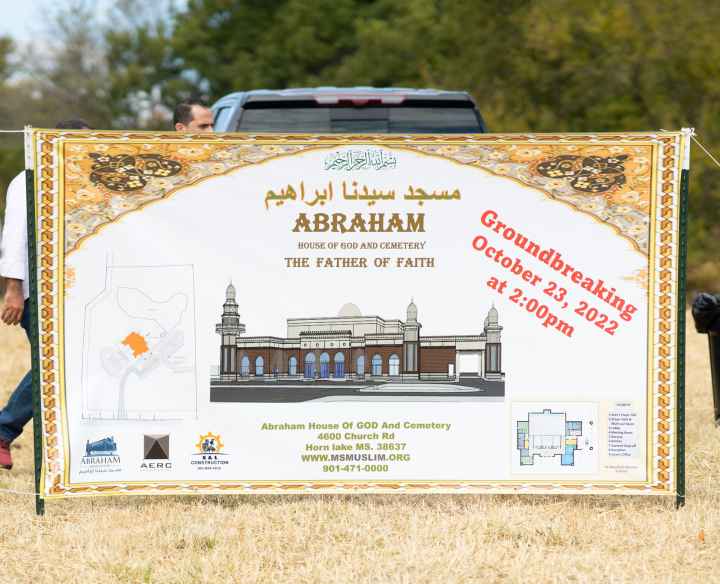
(433, 120)
(405, 119)
(285, 120)
(221, 117)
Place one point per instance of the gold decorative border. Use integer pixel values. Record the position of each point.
(665, 262)
(663, 301)
(47, 224)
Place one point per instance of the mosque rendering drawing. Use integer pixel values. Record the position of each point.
(354, 355)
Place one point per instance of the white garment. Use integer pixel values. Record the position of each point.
(14, 245)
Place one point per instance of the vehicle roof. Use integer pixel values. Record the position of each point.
(360, 91)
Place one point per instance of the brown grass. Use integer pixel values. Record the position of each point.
(383, 539)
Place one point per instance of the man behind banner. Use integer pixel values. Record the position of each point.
(14, 268)
(192, 116)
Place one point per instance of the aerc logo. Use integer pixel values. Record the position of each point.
(156, 452)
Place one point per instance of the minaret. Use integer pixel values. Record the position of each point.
(411, 341)
(493, 346)
(229, 328)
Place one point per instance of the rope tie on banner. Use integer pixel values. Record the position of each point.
(693, 136)
(706, 151)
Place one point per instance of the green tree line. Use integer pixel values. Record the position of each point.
(555, 66)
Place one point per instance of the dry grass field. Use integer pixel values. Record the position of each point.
(379, 539)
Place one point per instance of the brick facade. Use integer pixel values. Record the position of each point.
(385, 352)
(436, 359)
(431, 359)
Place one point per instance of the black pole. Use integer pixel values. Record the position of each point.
(33, 335)
(714, 346)
(682, 262)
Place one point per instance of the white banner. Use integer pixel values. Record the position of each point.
(300, 313)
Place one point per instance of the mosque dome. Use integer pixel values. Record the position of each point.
(349, 310)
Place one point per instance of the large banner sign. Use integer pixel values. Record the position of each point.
(271, 313)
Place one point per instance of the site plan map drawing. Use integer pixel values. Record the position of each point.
(139, 345)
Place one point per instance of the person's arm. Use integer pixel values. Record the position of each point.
(13, 251)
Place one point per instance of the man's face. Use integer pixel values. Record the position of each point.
(202, 121)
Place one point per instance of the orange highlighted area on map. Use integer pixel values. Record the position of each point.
(137, 343)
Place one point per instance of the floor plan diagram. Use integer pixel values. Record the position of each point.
(548, 434)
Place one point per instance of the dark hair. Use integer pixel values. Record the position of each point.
(73, 124)
(183, 111)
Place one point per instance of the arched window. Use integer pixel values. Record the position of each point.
(339, 365)
(245, 366)
(292, 366)
(377, 365)
(394, 364)
(360, 369)
(259, 365)
(324, 366)
(310, 365)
